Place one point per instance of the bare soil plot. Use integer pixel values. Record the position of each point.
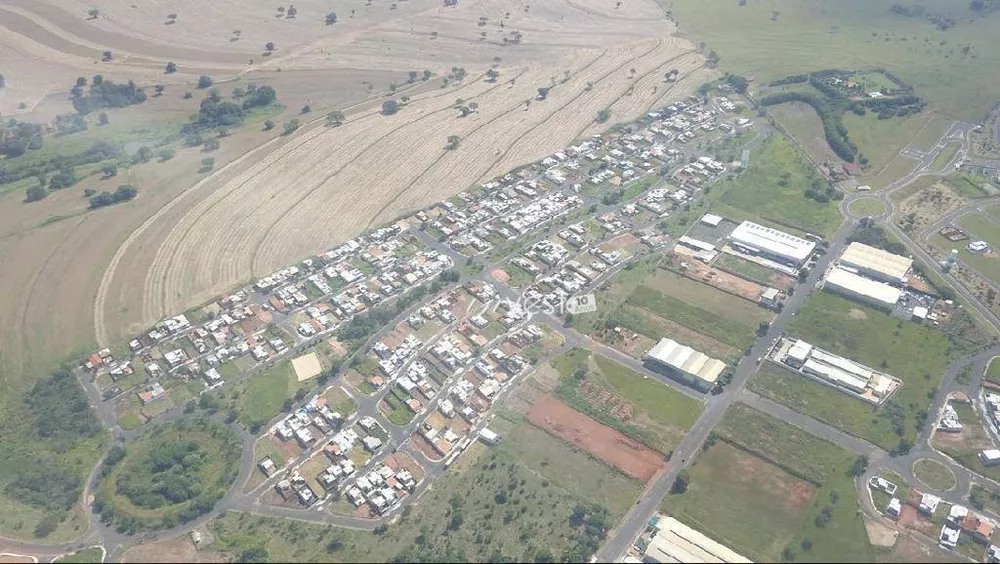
(628, 455)
(729, 283)
(933, 198)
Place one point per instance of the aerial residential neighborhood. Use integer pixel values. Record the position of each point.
(470, 281)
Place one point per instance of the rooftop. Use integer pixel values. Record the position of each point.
(884, 293)
(772, 241)
(883, 262)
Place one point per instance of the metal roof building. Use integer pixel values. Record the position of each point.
(691, 363)
(876, 263)
(771, 243)
(676, 542)
(863, 289)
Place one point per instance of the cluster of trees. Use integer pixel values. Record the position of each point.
(105, 94)
(833, 124)
(390, 107)
(215, 112)
(57, 416)
(63, 168)
(171, 474)
(124, 193)
(898, 106)
(875, 236)
(67, 124)
(592, 523)
(17, 138)
(603, 115)
(822, 192)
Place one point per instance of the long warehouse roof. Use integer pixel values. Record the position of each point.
(772, 241)
(835, 375)
(676, 542)
(888, 264)
(838, 277)
(687, 360)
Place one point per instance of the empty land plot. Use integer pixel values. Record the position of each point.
(615, 395)
(978, 226)
(729, 331)
(743, 501)
(771, 190)
(946, 155)
(753, 271)
(706, 297)
(617, 450)
(262, 397)
(803, 124)
(914, 353)
(842, 537)
(276, 210)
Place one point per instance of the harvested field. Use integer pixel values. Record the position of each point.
(276, 207)
(605, 443)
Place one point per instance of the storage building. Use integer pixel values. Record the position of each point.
(771, 244)
(865, 290)
(876, 263)
(692, 366)
(676, 542)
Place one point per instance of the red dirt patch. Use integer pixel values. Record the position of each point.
(724, 281)
(500, 275)
(628, 455)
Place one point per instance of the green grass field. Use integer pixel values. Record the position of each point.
(157, 486)
(262, 396)
(85, 556)
(751, 270)
(774, 38)
(729, 331)
(945, 156)
(934, 475)
(913, 353)
(872, 207)
(982, 498)
(762, 485)
(515, 501)
(882, 139)
(978, 226)
(993, 371)
(661, 415)
(757, 193)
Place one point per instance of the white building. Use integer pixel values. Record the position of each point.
(865, 290)
(876, 263)
(771, 244)
(692, 366)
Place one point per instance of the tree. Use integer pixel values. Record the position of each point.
(3, 81)
(390, 107)
(167, 154)
(106, 56)
(81, 81)
(290, 126)
(35, 193)
(268, 125)
(93, 13)
(336, 117)
(412, 77)
(859, 466)
(331, 18)
(172, 17)
(543, 93)
(171, 67)
(453, 142)
(204, 81)
(306, 109)
(681, 483)
(291, 12)
(269, 47)
(159, 88)
(212, 145)
(109, 171)
(492, 75)
(427, 74)
(208, 162)
(102, 118)
(603, 115)
(142, 155)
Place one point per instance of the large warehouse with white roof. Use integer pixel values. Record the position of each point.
(876, 263)
(694, 367)
(771, 244)
(865, 290)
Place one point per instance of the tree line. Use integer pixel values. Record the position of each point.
(105, 94)
(833, 125)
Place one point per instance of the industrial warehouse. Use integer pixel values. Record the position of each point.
(686, 364)
(869, 275)
(846, 375)
(771, 244)
(668, 540)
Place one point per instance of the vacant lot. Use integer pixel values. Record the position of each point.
(771, 190)
(753, 271)
(934, 475)
(617, 450)
(914, 353)
(262, 397)
(615, 395)
(760, 508)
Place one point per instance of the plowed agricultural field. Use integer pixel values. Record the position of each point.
(327, 184)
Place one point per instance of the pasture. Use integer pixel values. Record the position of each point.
(764, 487)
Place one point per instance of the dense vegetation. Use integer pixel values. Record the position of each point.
(56, 418)
(215, 112)
(170, 476)
(105, 94)
(17, 138)
(124, 193)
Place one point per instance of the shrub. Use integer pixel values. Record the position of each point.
(204, 81)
